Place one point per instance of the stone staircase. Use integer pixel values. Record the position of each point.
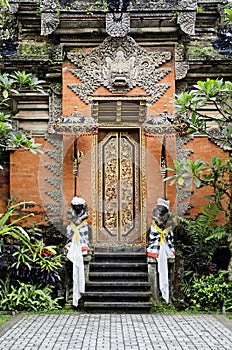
(118, 282)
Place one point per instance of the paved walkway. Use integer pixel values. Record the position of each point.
(116, 332)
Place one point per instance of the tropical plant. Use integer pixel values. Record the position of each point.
(9, 223)
(199, 241)
(9, 136)
(26, 81)
(36, 264)
(228, 15)
(31, 261)
(27, 297)
(191, 111)
(210, 292)
(214, 174)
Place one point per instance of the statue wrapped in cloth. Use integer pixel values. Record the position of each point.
(160, 243)
(77, 245)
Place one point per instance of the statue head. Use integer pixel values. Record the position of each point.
(118, 72)
(160, 213)
(77, 204)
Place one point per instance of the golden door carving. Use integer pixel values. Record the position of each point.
(118, 177)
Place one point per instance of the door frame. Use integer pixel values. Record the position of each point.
(142, 187)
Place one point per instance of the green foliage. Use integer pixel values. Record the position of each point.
(9, 223)
(25, 81)
(202, 52)
(210, 292)
(200, 240)
(4, 319)
(6, 86)
(26, 297)
(32, 261)
(12, 84)
(36, 264)
(164, 308)
(189, 109)
(228, 15)
(214, 174)
(33, 50)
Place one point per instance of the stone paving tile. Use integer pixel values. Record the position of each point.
(117, 332)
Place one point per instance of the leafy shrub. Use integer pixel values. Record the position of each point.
(199, 241)
(29, 260)
(26, 297)
(36, 264)
(210, 292)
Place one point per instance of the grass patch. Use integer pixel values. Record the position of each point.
(4, 319)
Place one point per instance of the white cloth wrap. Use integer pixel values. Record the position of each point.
(164, 253)
(75, 255)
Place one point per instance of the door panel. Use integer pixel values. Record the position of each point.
(119, 204)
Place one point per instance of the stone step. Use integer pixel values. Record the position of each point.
(119, 276)
(134, 286)
(120, 296)
(119, 257)
(131, 307)
(118, 282)
(114, 266)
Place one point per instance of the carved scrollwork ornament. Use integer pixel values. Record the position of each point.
(49, 16)
(187, 16)
(117, 28)
(181, 70)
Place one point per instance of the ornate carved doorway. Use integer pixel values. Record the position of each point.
(119, 189)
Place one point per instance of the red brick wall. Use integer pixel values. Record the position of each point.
(203, 149)
(4, 186)
(24, 181)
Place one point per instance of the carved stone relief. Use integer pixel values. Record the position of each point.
(119, 64)
(183, 194)
(181, 66)
(55, 108)
(53, 162)
(118, 28)
(49, 16)
(187, 16)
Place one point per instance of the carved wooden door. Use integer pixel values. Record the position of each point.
(118, 187)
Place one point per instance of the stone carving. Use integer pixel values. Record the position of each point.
(54, 153)
(49, 16)
(117, 28)
(55, 108)
(181, 67)
(75, 124)
(104, 65)
(215, 135)
(159, 124)
(54, 160)
(119, 72)
(181, 70)
(182, 193)
(187, 16)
